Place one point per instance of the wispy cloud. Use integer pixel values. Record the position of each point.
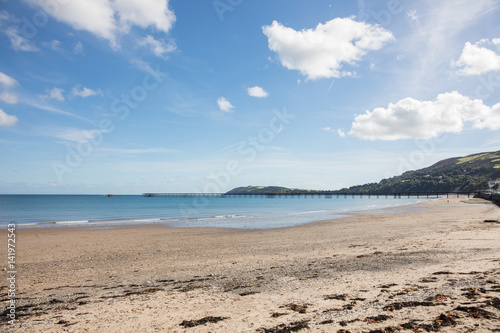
(158, 47)
(18, 42)
(54, 93)
(54, 45)
(85, 92)
(50, 108)
(129, 151)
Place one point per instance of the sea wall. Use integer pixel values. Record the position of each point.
(488, 195)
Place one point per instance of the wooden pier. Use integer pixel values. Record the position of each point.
(325, 194)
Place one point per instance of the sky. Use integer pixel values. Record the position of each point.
(126, 97)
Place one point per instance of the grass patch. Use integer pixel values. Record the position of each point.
(476, 201)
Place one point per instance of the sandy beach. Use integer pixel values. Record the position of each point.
(435, 268)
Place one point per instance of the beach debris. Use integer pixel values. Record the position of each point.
(202, 321)
(475, 312)
(472, 293)
(341, 297)
(300, 308)
(491, 221)
(246, 293)
(65, 323)
(278, 314)
(388, 329)
(326, 322)
(401, 305)
(437, 298)
(442, 273)
(495, 302)
(441, 321)
(285, 328)
(387, 286)
(446, 320)
(428, 279)
(377, 319)
(343, 331)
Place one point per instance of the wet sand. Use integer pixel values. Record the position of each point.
(434, 269)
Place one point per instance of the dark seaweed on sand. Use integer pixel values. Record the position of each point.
(285, 328)
(202, 321)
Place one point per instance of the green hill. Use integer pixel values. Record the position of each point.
(266, 190)
(460, 174)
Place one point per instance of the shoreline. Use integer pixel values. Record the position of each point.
(326, 275)
(229, 218)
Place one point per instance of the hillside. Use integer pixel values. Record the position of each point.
(267, 190)
(459, 174)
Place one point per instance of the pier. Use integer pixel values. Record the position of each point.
(325, 194)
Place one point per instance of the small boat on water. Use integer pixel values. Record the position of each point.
(110, 195)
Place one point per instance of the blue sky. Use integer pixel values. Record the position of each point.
(122, 96)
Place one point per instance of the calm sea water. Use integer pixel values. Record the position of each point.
(30, 211)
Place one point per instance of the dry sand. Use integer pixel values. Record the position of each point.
(434, 269)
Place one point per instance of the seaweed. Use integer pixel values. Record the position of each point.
(388, 329)
(286, 328)
(337, 297)
(495, 302)
(377, 319)
(400, 305)
(300, 308)
(202, 321)
(476, 312)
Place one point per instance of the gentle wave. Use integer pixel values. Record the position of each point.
(309, 212)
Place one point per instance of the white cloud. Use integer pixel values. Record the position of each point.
(8, 97)
(257, 92)
(55, 93)
(106, 18)
(145, 13)
(224, 104)
(410, 118)
(322, 52)
(78, 49)
(327, 129)
(85, 92)
(7, 81)
(18, 42)
(158, 47)
(6, 119)
(477, 60)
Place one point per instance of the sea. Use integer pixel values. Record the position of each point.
(240, 212)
